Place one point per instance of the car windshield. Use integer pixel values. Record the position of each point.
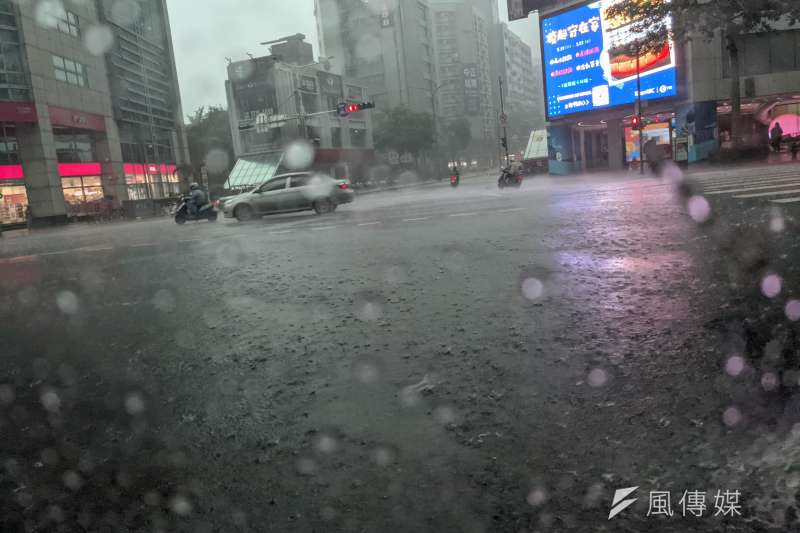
(399, 265)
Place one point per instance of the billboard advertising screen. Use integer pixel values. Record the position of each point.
(588, 65)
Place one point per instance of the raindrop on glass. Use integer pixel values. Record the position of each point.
(327, 444)
(67, 302)
(532, 289)
(51, 401)
(369, 312)
(126, 12)
(771, 285)
(180, 506)
(537, 497)
(46, 13)
(734, 365)
(382, 456)
(98, 39)
(731, 417)
(72, 480)
(597, 377)
(444, 415)
(699, 209)
(306, 467)
(367, 373)
(769, 381)
(134, 404)
(793, 310)
(164, 300)
(328, 513)
(299, 155)
(217, 161)
(7, 395)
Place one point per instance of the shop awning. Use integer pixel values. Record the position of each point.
(253, 170)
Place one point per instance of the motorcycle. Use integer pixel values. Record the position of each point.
(182, 213)
(455, 180)
(508, 179)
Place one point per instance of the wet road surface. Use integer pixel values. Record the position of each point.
(422, 360)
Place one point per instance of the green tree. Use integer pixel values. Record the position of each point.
(706, 19)
(404, 131)
(458, 135)
(210, 144)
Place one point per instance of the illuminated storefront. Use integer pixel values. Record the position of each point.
(14, 201)
(151, 181)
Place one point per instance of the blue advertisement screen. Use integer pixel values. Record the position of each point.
(588, 64)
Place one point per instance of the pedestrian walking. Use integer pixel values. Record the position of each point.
(776, 136)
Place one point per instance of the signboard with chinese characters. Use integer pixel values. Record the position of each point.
(308, 84)
(330, 83)
(472, 89)
(588, 64)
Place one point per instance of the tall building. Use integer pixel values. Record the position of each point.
(385, 46)
(89, 107)
(464, 72)
(522, 86)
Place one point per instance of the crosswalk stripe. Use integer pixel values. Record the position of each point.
(787, 200)
(748, 179)
(734, 179)
(763, 194)
(794, 183)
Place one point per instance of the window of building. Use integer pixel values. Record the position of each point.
(81, 190)
(309, 102)
(358, 137)
(74, 146)
(70, 71)
(336, 137)
(66, 22)
(9, 149)
(762, 53)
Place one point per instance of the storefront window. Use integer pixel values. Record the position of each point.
(79, 191)
(151, 181)
(74, 146)
(13, 204)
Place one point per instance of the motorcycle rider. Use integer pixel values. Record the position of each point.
(197, 198)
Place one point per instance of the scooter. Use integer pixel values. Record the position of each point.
(182, 213)
(507, 179)
(455, 179)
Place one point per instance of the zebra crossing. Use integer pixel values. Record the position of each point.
(778, 184)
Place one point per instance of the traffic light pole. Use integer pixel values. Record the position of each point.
(502, 114)
(639, 109)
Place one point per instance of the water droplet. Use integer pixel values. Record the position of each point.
(597, 377)
(369, 312)
(180, 506)
(532, 289)
(217, 161)
(734, 365)
(327, 444)
(72, 480)
(306, 467)
(793, 310)
(134, 404)
(699, 209)
(769, 381)
(299, 155)
(395, 276)
(731, 417)
(537, 497)
(126, 12)
(367, 373)
(46, 12)
(771, 285)
(67, 302)
(382, 456)
(164, 301)
(51, 401)
(410, 397)
(98, 39)
(152, 498)
(444, 415)
(777, 223)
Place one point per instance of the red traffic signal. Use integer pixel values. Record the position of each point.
(636, 121)
(345, 109)
(352, 108)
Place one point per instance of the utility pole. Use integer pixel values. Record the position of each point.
(639, 107)
(503, 114)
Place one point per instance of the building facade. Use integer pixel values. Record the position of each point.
(464, 70)
(691, 123)
(384, 46)
(298, 102)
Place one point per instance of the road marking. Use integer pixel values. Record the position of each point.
(284, 232)
(772, 193)
(787, 200)
(95, 249)
(369, 223)
(512, 210)
(143, 245)
(323, 228)
(184, 241)
(55, 253)
(464, 214)
(749, 189)
(416, 219)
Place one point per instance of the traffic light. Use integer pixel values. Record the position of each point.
(504, 142)
(637, 121)
(344, 109)
(352, 108)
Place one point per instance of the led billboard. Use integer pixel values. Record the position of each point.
(588, 66)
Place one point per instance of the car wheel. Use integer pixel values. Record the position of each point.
(244, 213)
(323, 206)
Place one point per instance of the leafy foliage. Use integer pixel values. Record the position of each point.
(404, 131)
(208, 130)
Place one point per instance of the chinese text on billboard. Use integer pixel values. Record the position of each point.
(589, 65)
